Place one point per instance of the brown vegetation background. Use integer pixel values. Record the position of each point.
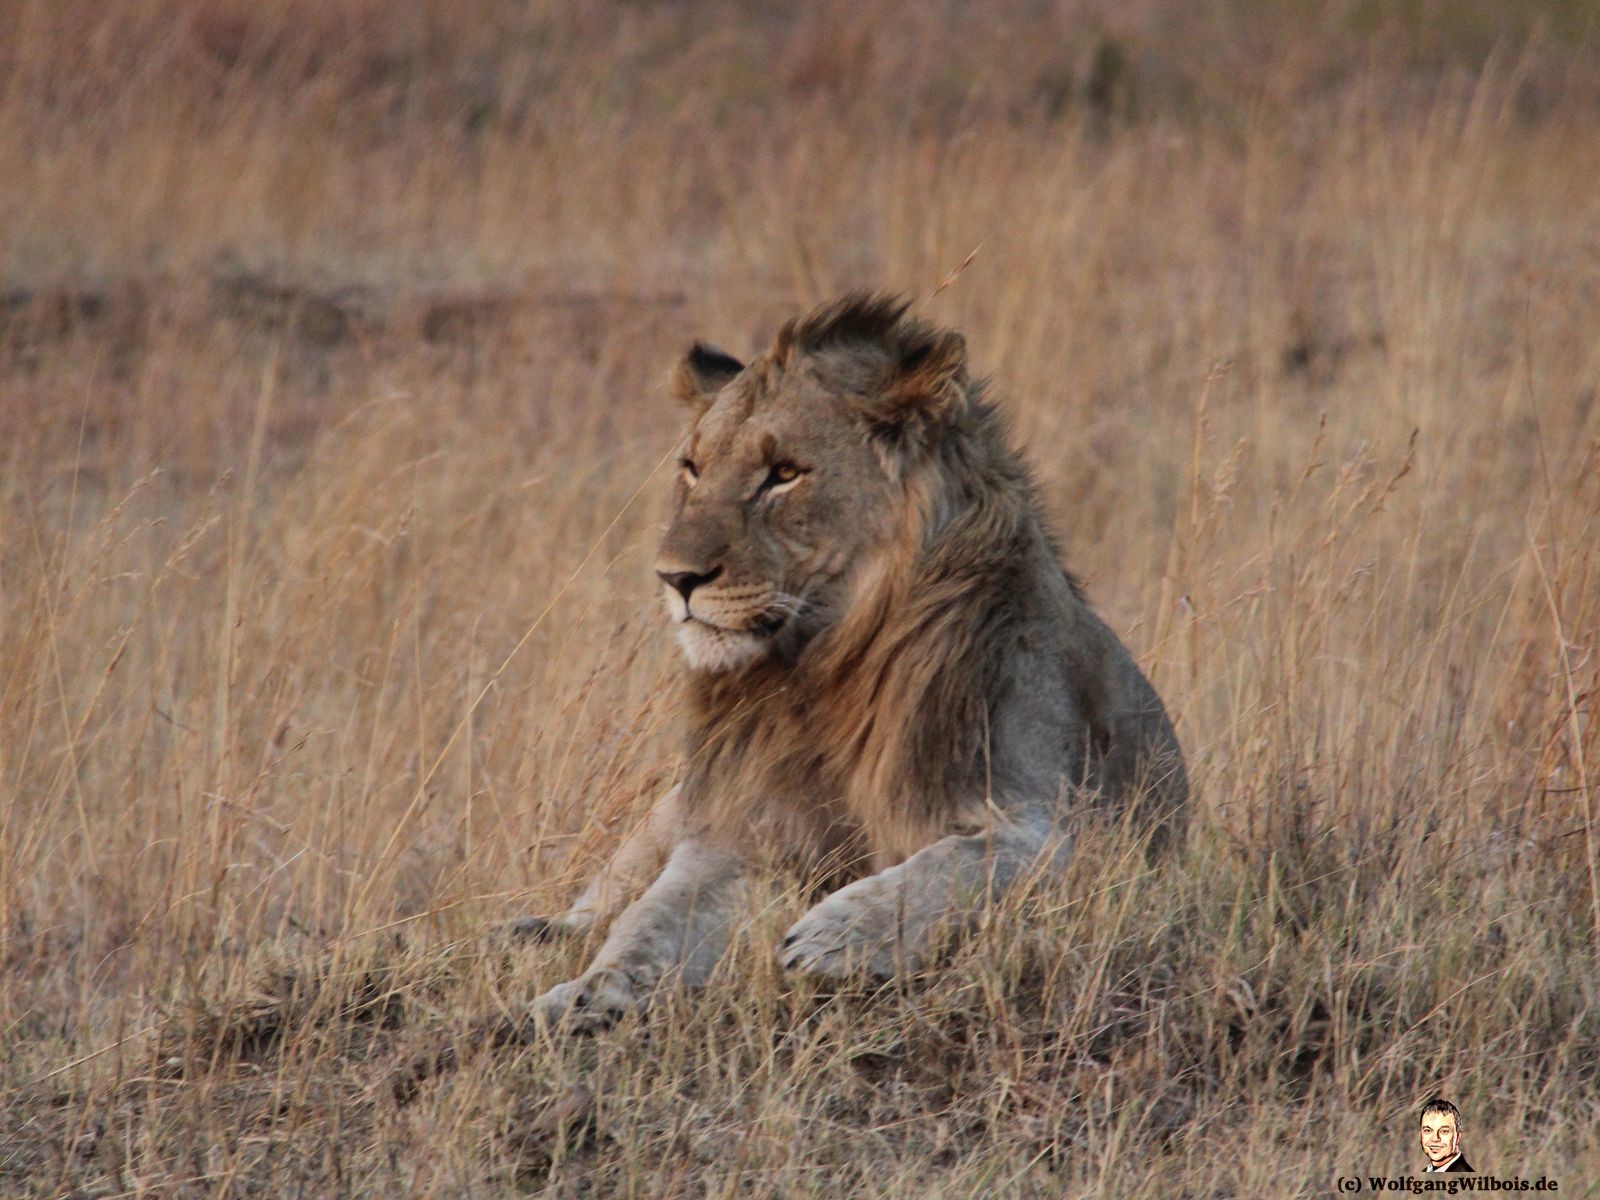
(331, 446)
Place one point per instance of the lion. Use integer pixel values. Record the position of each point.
(892, 682)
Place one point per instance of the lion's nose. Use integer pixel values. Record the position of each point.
(684, 582)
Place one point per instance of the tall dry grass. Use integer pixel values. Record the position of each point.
(330, 344)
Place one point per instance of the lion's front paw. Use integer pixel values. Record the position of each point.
(852, 932)
(587, 1004)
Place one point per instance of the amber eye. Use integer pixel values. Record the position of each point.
(785, 473)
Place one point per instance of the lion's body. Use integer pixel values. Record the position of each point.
(892, 676)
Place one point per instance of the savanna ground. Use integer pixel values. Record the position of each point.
(331, 458)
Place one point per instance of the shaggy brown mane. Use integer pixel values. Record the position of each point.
(859, 317)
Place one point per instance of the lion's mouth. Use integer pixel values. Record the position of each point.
(766, 621)
(722, 640)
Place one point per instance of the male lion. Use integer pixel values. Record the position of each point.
(891, 677)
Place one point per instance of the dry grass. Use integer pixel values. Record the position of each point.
(330, 348)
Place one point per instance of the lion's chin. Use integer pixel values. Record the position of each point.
(714, 650)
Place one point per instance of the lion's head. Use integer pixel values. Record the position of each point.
(795, 471)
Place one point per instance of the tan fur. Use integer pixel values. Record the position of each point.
(887, 662)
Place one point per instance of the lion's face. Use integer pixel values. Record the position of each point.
(778, 502)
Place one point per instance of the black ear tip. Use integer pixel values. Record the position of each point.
(708, 360)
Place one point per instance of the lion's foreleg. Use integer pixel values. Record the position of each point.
(637, 861)
(890, 921)
(678, 928)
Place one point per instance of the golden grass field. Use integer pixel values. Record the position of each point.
(332, 445)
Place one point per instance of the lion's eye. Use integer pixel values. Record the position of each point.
(781, 475)
(690, 474)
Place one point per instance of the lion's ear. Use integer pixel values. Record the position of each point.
(925, 388)
(702, 373)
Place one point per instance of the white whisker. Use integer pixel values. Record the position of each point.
(783, 604)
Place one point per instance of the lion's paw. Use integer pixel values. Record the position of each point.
(852, 932)
(587, 1004)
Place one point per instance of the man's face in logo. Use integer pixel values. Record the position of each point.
(1440, 1137)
